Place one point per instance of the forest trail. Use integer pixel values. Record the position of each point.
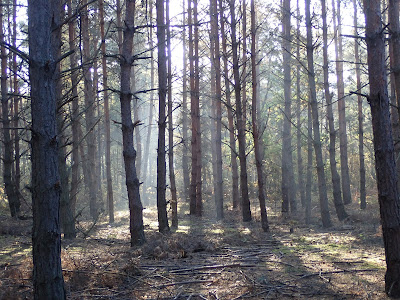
(205, 259)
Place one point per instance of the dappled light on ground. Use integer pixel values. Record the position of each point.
(205, 259)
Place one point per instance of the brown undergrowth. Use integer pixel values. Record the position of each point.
(208, 259)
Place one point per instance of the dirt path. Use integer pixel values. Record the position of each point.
(209, 260)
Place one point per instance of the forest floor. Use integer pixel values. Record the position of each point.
(206, 259)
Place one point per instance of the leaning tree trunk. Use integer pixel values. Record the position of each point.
(129, 152)
(12, 196)
(254, 121)
(246, 212)
(44, 25)
(363, 193)
(162, 120)
(388, 195)
(323, 197)
(337, 194)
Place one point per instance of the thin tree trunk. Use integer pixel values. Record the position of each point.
(151, 104)
(309, 163)
(10, 189)
(219, 199)
(386, 174)
(185, 119)
(337, 194)
(174, 197)
(89, 113)
(129, 152)
(195, 185)
(256, 136)
(344, 164)
(363, 193)
(323, 197)
(229, 107)
(162, 120)
(110, 196)
(300, 167)
(246, 212)
(288, 184)
(44, 43)
(75, 110)
(17, 177)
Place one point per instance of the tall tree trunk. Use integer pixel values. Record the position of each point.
(174, 197)
(195, 185)
(162, 120)
(386, 174)
(288, 184)
(246, 212)
(363, 193)
(129, 152)
(89, 112)
(219, 198)
(185, 119)
(44, 25)
(256, 136)
(229, 107)
(75, 110)
(300, 167)
(10, 189)
(17, 177)
(344, 164)
(110, 196)
(151, 104)
(323, 197)
(337, 194)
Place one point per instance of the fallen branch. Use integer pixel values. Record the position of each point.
(182, 282)
(337, 272)
(237, 265)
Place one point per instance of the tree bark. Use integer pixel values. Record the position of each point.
(162, 120)
(288, 184)
(309, 163)
(388, 194)
(75, 110)
(300, 166)
(146, 153)
(9, 183)
(256, 135)
(344, 164)
(229, 108)
(44, 25)
(110, 196)
(89, 113)
(196, 202)
(185, 119)
(132, 182)
(337, 194)
(219, 198)
(363, 193)
(174, 197)
(246, 212)
(323, 197)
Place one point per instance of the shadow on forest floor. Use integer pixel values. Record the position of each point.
(206, 259)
